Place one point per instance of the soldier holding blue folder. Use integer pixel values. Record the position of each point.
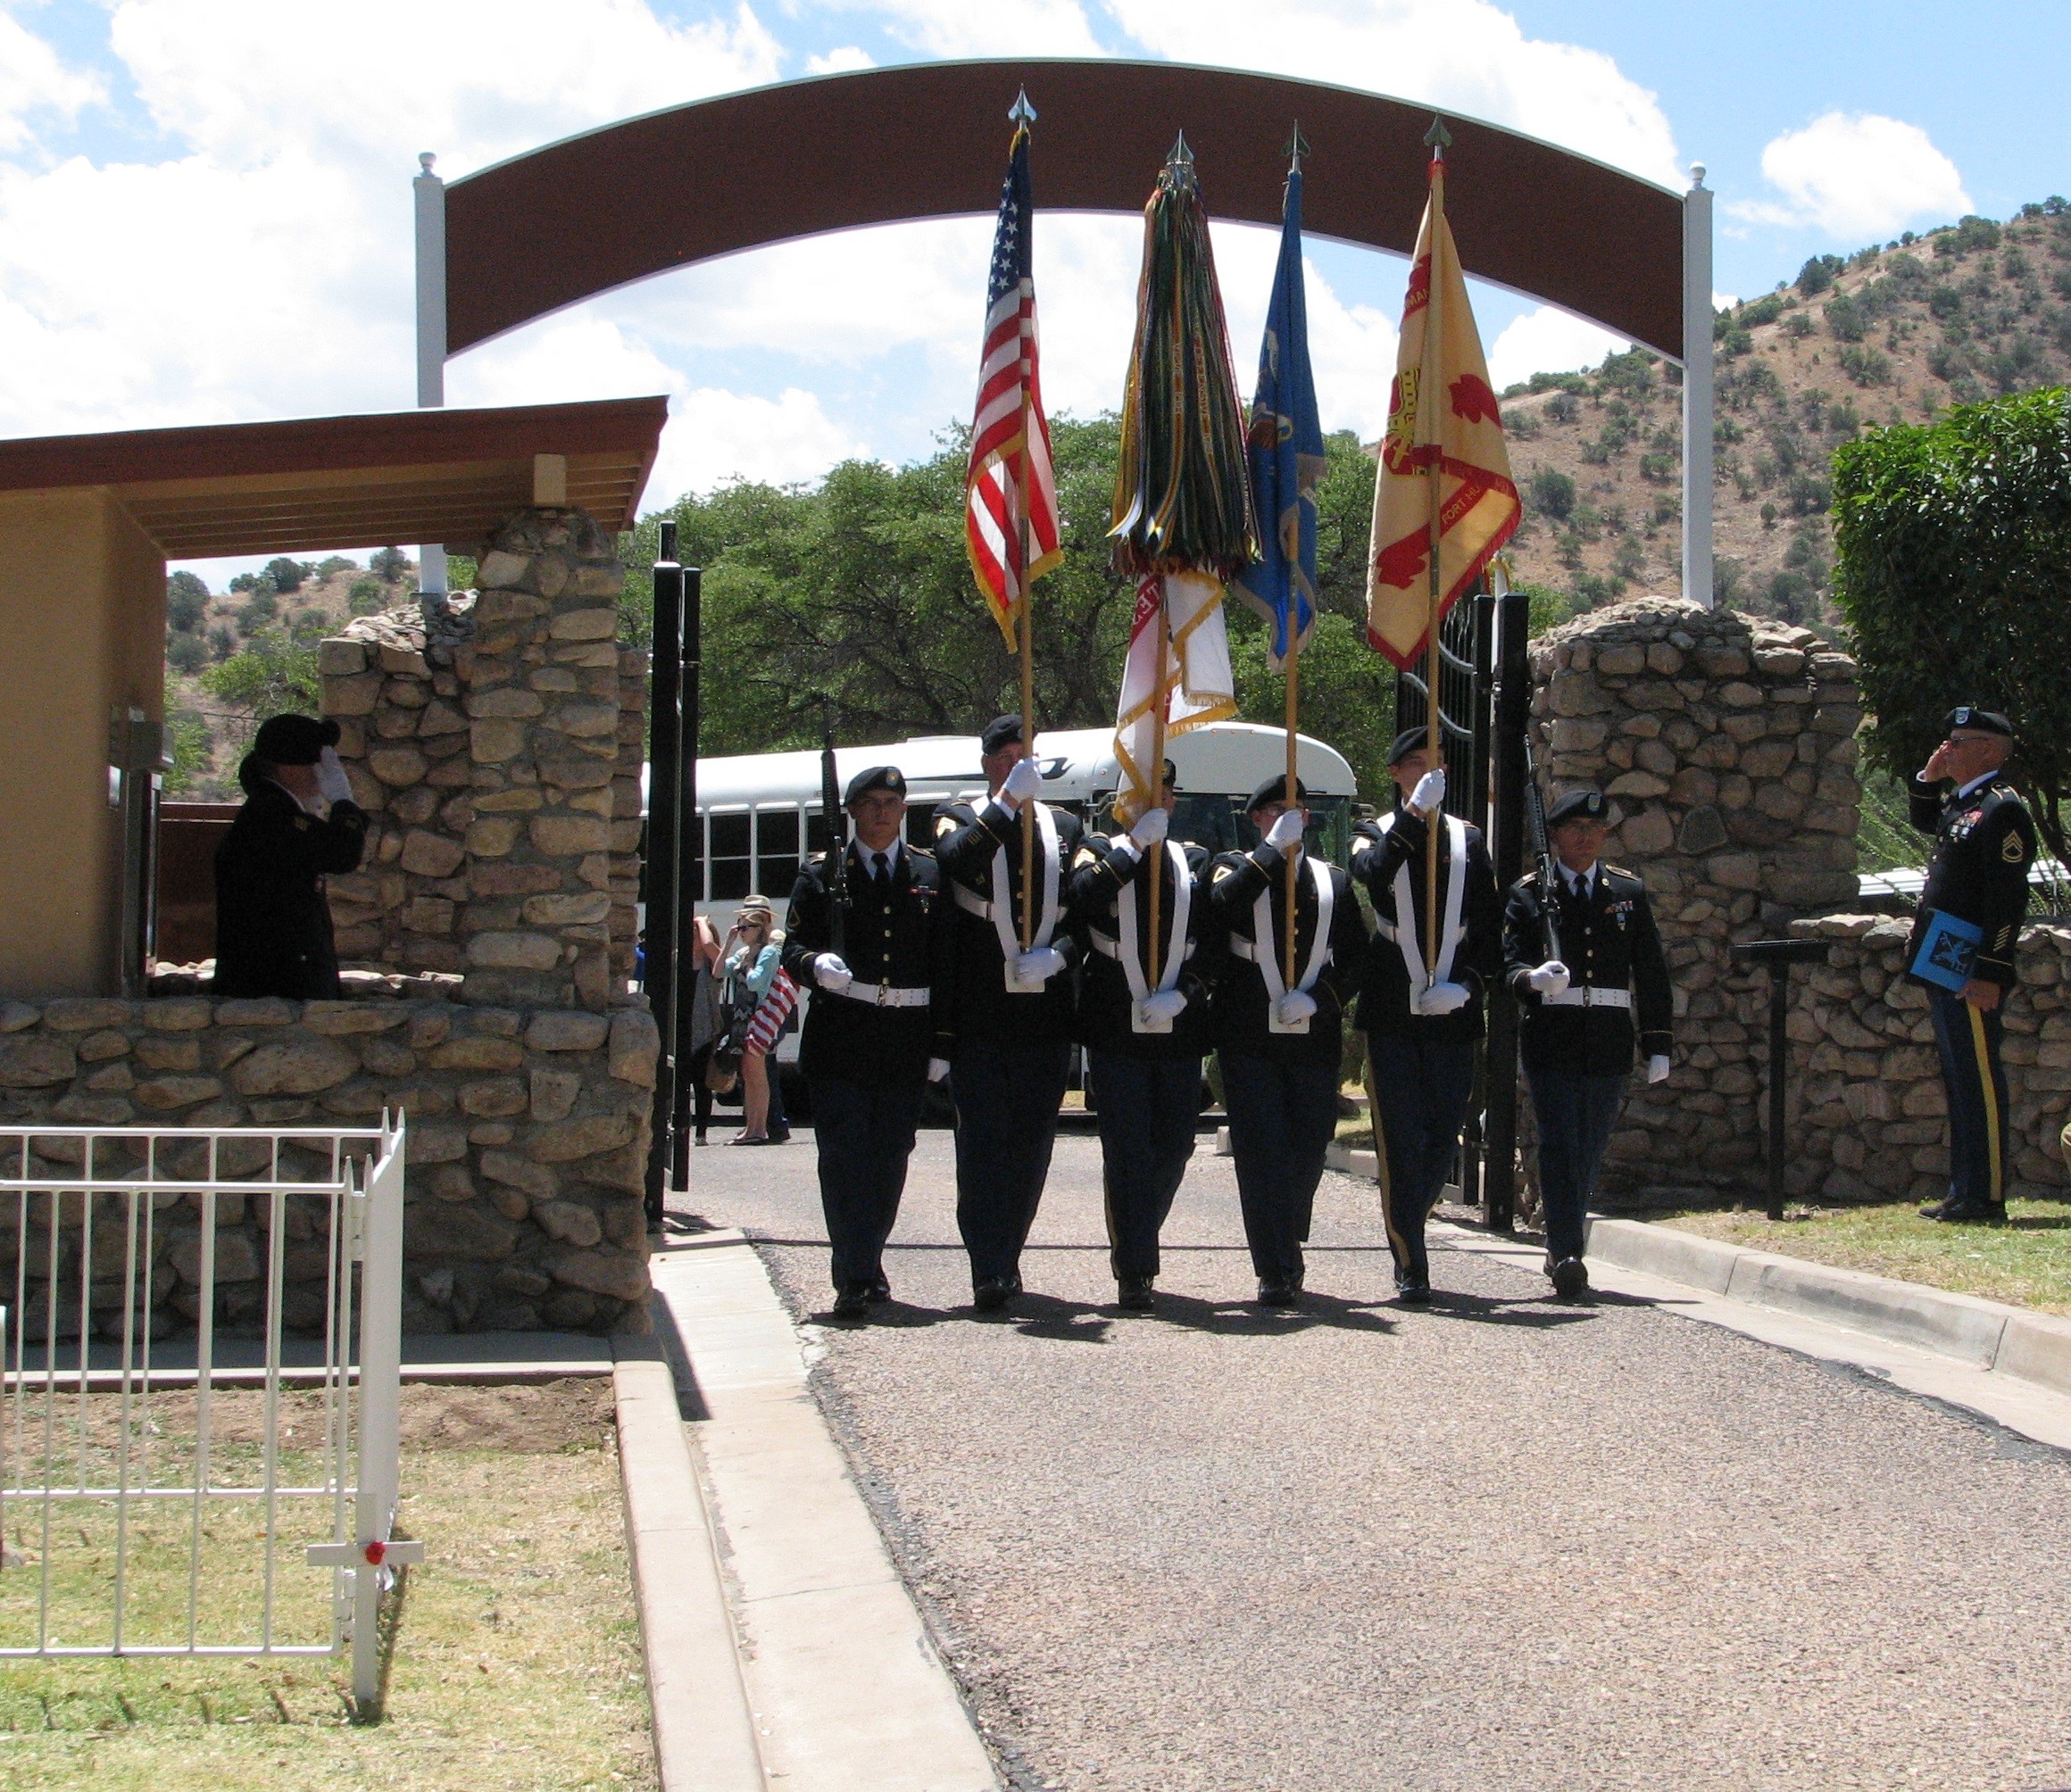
(1962, 948)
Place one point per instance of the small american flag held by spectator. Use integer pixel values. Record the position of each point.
(770, 1014)
(1009, 385)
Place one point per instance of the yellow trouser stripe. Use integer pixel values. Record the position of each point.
(1398, 1246)
(1990, 1090)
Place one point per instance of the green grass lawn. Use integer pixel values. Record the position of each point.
(2025, 1263)
(515, 1655)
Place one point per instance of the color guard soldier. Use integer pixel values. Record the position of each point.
(1145, 1038)
(1984, 844)
(1280, 1044)
(1421, 1022)
(1576, 1014)
(273, 923)
(1011, 1018)
(866, 944)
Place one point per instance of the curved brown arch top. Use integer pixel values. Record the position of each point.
(885, 146)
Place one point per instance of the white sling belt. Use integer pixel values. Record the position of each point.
(999, 910)
(1264, 954)
(1402, 929)
(1130, 957)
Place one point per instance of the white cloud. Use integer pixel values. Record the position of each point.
(1468, 56)
(839, 62)
(998, 28)
(1548, 341)
(1855, 177)
(32, 80)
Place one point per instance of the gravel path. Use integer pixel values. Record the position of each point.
(1497, 1543)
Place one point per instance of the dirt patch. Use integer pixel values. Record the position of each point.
(525, 1418)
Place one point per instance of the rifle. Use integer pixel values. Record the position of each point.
(830, 814)
(1541, 848)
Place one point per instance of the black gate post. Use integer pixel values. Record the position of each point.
(1512, 715)
(664, 737)
(690, 837)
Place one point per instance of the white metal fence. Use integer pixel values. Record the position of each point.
(186, 1428)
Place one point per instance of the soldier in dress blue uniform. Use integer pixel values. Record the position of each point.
(273, 923)
(1984, 844)
(1010, 1011)
(1576, 1031)
(866, 942)
(1279, 1044)
(1146, 1039)
(1421, 1021)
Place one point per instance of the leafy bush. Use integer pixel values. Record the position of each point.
(254, 616)
(223, 642)
(250, 582)
(186, 653)
(1734, 343)
(1658, 469)
(1844, 320)
(1765, 309)
(1970, 235)
(389, 565)
(186, 601)
(1593, 590)
(1818, 274)
(1551, 492)
(1797, 326)
(334, 564)
(1563, 408)
(366, 596)
(1951, 540)
(1866, 366)
(191, 746)
(288, 574)
(268, 676)
(1632, 373)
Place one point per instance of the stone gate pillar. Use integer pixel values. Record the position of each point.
(1727, 743)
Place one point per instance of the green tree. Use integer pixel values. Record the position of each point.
(389, 564)
(271, 675)
(186, 602)
(260, 609)
(334, 564)
(191, 747)
(1551, 492)
(366, 596)
(288, 574)
(1952, 541)
(186, 653)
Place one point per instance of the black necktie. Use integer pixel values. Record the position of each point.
(881, 876)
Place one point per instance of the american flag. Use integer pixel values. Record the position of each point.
(1006, 371)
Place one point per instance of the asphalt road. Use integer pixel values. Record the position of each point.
(1494, 1543)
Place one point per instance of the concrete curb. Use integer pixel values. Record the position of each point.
(704, 1738)
(2034, 1346)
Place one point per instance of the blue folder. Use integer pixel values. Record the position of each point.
(1948, 950)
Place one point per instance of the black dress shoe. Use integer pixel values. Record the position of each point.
(878, 1292)
(1133, 1294)
(1413, 1290)
(1973, 1212)
(1275, 1293)
(851, 1301)
(1570, 1278)
(989, 1293)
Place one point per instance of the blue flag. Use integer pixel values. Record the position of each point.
(1285, 449)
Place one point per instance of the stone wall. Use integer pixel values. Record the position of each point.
(1864, 1107)
(526, 1138)
(1728, 744)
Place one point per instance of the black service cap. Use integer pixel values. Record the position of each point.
(1579, 805)
(874, 777)
(1000, 731)
(1406, 743)
(294, 739)
(1275, 789)
(1984, 721)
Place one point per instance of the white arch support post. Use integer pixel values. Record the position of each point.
(1697, 389)
(430, 194)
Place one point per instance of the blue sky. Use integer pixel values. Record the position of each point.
(204, 203)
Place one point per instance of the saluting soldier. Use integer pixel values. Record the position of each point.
(273, 921)
(865, 939)
(1011, 1018)
(1421, 1020)
(1145, 1037)
(1962, 948)
(1575, 1032)
(1279, 1043)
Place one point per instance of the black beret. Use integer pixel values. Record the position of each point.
(294, 739)
(1275, 789)
(1000, 731)
(1578, 804)
(874, 777)
(1984, 721)
(1406, 743)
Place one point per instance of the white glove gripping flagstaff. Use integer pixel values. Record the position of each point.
(1430, 792)
(1550, 979)
(1291, 1016)
(1150, 828)
(1157, 1019)
(1023, 782)
(1000, 909)
(331, 783)
(830, 973)
(1402, 928)
(1284, 835)
(1443, 998)
(1294, 1009)
(1030, 970)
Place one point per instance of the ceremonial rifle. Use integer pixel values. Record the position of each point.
(1535, 837)
(833, 874)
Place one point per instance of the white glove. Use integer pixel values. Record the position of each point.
(1443, 998)
(1286, 832)
(1295, 1006)
(1149, 826)
(331, 781)
(831, 974)
(1035, 967)
(1165, 1005)
(1022, 783)
(1551, 979)
(1658, 1067)
(1430, 791)
(938, 1070)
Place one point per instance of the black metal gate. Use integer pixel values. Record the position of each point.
(1484, 704)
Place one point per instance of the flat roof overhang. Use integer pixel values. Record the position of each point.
(367, 480)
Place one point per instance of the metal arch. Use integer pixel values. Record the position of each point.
(924, 141)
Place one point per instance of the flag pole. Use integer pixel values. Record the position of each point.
(1437, 136)
(1158, 718)
(1024, 115)
(1295, 146)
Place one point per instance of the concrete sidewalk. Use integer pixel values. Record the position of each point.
(834, 1676)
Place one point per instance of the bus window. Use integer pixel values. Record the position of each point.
(729, 858)
(776, 852)
(816, 834)
(921, 824)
